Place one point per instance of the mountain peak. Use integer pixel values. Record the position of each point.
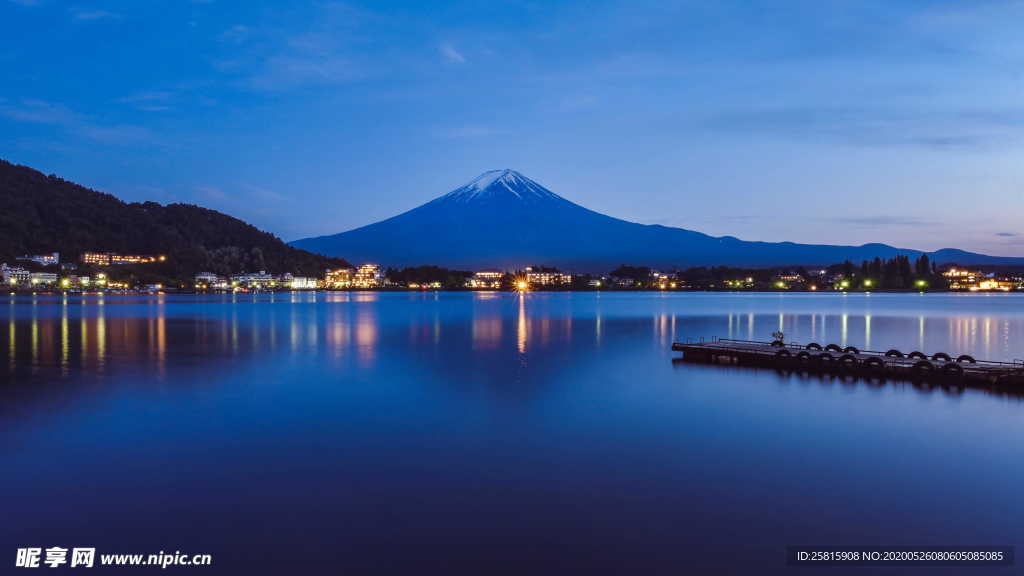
(500, 183)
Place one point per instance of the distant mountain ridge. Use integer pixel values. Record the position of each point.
(502, 219)
(42, 214)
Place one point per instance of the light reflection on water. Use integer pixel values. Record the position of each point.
(488, 419)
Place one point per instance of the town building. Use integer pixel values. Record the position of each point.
(740, 283)
(50, 259)
(551, 278)
(113, 259)
(75, 282)
(303, 283)
(367, 276)
(339, 279)
(486, 280)
(14, 275)
(978, 281)
(253, 280)
(960, 279)
(786, 280)
(211, 281)
(42, 278)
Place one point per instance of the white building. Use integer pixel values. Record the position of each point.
(211, 281)
(254, 280)
(14, 275)
(486, 280)
(42, 278)
(303, 283)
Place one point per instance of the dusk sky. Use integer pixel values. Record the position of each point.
(823, 122)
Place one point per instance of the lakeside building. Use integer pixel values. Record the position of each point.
(367, 276)
(486, 280)
(623, 282)
(547, 278)
(787, 280)
(14, 275)
(113, 259)
(76, 282)
(745, 283)
(50, 259)
(435, 285)
(960, 279)
(211, 281)
(254, 280)
(42, 278)
(300, 282)
(978, 281)
(662, 281)
(339, 279)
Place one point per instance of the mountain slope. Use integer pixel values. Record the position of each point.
(40, 213)
(503, 219)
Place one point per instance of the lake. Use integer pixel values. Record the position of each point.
(459, 433)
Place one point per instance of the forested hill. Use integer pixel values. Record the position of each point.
(41, 214)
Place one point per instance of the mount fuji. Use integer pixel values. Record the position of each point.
(502, 219)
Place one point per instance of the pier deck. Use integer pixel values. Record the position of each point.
(813, 357)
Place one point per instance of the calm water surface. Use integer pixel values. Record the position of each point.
(492, 433)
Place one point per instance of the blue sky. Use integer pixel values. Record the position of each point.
(827, 122)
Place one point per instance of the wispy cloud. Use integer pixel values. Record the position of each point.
(58, 115)
(155, 101)
(936, 129)
(451, 55)
(884, 221)
(284, 72)
(88, 15)
(332, 48)
(1007, 234)
(236, 34)
(466, 132)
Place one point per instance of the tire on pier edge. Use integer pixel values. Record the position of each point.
(848, 362)
(966, 358)
(923, 369)
(942, 356)
(952, 371)
(778, 344)
(825, 361)
(833, 348)
(782, 356)
(813, 346)
(916, 354)
(851, 350)
(893, 353)
(803, 358)
(874, 365)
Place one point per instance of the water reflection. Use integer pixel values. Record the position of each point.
(75, 334)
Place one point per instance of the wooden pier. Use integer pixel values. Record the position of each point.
(938, 367)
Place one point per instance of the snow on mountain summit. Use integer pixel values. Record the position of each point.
(497, 183)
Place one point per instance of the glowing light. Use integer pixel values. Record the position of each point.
(522, 285)
(867, 283)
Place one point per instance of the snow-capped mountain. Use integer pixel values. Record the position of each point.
(502, 219)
